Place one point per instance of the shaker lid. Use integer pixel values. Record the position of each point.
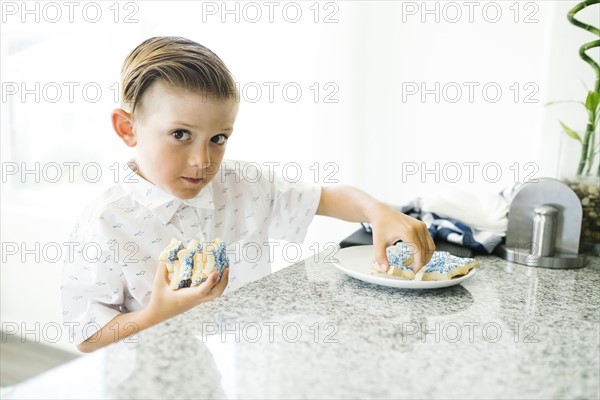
(545, 209)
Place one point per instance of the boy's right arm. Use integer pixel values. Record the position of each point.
(164, 304)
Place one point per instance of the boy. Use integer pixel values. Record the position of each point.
(179, 104)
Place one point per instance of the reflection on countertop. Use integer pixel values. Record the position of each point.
(309, 331)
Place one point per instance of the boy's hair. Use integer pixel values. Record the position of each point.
(179, 63)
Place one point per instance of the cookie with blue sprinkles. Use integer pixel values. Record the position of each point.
(212, 258)
(399, 258)
(191, 265)
(169, 254)
(444, 266)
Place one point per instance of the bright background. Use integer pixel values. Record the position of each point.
(373, 134)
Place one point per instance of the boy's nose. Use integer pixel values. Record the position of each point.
(199, 157)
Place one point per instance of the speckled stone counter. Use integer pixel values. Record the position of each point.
(309, 331)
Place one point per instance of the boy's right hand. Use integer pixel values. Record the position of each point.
(166, 302)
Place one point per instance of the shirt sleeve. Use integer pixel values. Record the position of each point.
(293, 207)
(92, 287)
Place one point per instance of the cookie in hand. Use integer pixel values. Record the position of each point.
(192, 264)
(399, 258)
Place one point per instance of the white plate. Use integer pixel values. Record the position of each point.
(356, 261)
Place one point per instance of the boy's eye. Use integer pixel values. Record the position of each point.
(219, 139)
(181, 135)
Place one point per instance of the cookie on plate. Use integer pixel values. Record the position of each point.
(444, 266)
(400, 258)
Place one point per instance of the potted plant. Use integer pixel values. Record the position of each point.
(586, 180)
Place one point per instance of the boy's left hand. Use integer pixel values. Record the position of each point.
(390, 226)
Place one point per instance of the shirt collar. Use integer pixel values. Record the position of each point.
(163, 204)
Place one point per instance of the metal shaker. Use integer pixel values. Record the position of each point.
(544, 230)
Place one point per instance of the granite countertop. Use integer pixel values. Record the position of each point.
(310, 331)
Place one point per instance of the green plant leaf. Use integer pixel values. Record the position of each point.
(551, 103)
(592, 100)
(571, 133)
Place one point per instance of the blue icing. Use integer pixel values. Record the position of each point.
(188, 261)
(197, 249)
(443, 262)
(172, 256)
(221, 259)
(184, 283)
(397, 256)
(219, 253)
(187, 265)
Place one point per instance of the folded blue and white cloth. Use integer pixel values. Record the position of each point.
(475, 221)
(454, 231)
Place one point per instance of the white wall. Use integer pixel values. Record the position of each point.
(371, 133)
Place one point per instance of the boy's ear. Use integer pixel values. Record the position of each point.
(123, 126)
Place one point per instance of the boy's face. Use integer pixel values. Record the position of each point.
(181, 138)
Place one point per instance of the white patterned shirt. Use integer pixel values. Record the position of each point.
(120, 236)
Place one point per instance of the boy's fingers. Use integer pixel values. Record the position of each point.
(421, 234)
(224, 278)
(379, 245)
(204, 289)
(418, 264)
(427, 245)
(418, 252)
(212, 287)
(220, 286)
(431, 248)
(162, 274)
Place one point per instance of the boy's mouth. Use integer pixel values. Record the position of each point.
(193, 181)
